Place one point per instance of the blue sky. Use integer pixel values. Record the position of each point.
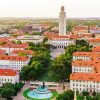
(49, 8)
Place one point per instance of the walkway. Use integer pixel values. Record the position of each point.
(20, 94)
(56, 52)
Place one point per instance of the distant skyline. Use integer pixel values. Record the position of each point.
(49, 8)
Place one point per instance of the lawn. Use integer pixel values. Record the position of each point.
(27, 90)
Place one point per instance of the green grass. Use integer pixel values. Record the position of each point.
(55, 94)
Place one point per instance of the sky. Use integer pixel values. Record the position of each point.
(49, 8)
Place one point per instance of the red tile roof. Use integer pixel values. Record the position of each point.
(94, 56)
(83, 63)
(95, 65)
(85, 77)
(4, 40)
(96, 49)
(23, 51)
(53, 35)
(11, 45)
(13, 58)
(78, 28)
(7, 72)
(82, 54)
(94, 40)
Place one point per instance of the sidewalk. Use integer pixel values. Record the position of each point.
(20, 94)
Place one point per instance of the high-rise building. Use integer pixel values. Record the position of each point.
(62, 22)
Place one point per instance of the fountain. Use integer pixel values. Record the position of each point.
(40, 93)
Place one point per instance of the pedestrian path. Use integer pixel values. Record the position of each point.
(20, 94)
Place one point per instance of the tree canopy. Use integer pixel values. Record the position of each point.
(9, 89)
(60, 68)
(67, 95)
(37, 64)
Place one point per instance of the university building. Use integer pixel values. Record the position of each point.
(8, 76)
(13, 62)
(86, 71)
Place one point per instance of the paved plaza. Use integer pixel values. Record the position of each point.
(20, 96)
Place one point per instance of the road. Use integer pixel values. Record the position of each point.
(56, 52)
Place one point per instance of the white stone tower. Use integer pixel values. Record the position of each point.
(62, 22)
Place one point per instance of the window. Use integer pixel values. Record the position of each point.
(97, 86)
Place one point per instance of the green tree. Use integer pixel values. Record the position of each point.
(8, 89)
(45, 39)
(67, 95)
(2, 43)
(85, 93)
(60, 68)
(36, 70)
(23, 54)
(31, 44)
(18, 86)
(97, 97)
(94, 93)
(19, 42)
(7, 92)
(36, 33)
(37, 66)
(24, 74)
(70, 49)
(82, 43)
(79, 97)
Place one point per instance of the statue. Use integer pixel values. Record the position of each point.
(43, 86)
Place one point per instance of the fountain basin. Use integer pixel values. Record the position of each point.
(53, 91)
(35, 95)
(40, 93)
